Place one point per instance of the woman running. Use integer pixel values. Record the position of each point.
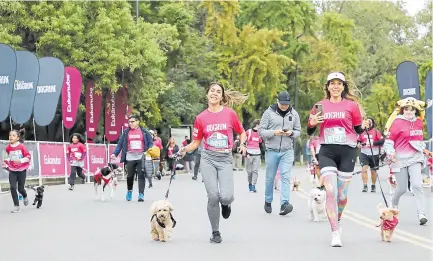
(17, 161)
(216, 125)
(254, 155)
(76, 153)
(370, 156)
(405, 147)
(341, 120)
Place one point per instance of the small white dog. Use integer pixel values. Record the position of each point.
(161, 221)
(316, 204)
(106, 176)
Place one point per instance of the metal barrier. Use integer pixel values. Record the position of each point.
(49, 160)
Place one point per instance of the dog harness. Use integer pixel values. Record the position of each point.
(98, 177)
(388, 224)
(162, 224)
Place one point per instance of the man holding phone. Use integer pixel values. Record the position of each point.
(279, 127)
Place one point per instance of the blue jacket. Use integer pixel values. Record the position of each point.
(122, 145)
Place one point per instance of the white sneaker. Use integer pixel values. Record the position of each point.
(16, 209)
(422, 219)
(336, 240)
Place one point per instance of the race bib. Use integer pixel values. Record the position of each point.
(15, 155)
(136, 145)
(77, 155)
(335, 135)
(218, 141)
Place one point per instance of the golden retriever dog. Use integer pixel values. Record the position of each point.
(162, 221)
(389, 221)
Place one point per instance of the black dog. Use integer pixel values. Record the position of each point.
(39, 195)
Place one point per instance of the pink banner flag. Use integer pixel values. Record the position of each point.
(52, 159)
(93, 109)
(114, 106)
(97, 157)
(122, 106)
(71, 93)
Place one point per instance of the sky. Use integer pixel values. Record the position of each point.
(413, 6)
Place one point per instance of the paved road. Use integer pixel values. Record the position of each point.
(73, 226)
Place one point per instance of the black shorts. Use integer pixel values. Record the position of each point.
(371, 161)
(342, 157)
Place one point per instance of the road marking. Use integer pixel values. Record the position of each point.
(366, 222)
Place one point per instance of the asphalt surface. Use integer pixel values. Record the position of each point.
(73, 226)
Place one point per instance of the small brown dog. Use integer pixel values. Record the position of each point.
(389, 221)
(296, 184)
(162, 221)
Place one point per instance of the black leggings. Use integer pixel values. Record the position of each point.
(170, 162)
(197, 164)
(20, 178)
(75, 170)
(135, 167)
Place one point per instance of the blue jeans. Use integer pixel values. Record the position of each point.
(284, 160)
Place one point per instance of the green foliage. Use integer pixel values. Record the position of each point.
(176, 48)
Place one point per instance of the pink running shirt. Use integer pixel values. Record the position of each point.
(375, 135)
(402, 133)
(339, 121)
(216, 128)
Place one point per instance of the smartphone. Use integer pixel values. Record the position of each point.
(319, 109)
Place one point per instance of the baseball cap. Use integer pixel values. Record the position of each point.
(284, 98)
(336, 75)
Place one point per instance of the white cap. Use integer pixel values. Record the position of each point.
(151, 132)
(336, 75)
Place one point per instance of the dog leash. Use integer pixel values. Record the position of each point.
(376, 168)
(173, 173)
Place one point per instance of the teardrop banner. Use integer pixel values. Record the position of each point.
(71, 93)
(121, 106)
(93, 109)
(428, 98)
(112, 103)
(8, 69)
(408, 80)
(50, 83)
(26, 80)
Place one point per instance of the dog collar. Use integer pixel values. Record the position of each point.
(162, 224)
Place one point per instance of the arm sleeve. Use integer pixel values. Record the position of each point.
(148, 141)
(237, 125)
(198, 129)
(296, 126)
(26, 155)
(264, 132)
(119, 145)
(389, 140)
